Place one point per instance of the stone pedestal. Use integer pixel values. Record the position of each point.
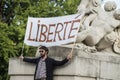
(103, 65)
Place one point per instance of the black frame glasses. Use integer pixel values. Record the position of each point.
(41, 51)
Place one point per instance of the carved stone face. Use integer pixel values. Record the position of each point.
(110, 5)
(96, 3)
(117, 14)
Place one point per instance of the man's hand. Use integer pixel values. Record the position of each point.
(69, 56)
(21, 57)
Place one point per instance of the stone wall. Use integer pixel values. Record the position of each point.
(103, 65)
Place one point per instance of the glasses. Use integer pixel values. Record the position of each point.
(41, 51)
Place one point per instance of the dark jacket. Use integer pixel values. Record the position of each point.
(50, 65)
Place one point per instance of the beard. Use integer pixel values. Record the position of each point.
(42, 55)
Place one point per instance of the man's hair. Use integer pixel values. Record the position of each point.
(45, 48)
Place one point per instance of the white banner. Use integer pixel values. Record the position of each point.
(52, 31)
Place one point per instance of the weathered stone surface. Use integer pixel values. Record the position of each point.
(18, 67)
(110, 71)
(21, 78)
(72, 78)
(55, 78)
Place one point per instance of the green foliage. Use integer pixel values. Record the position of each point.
(13, 20)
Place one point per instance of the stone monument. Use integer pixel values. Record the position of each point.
(96, 54)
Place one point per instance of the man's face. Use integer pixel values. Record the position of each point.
(42, 52)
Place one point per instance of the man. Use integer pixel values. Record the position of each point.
(44, 64)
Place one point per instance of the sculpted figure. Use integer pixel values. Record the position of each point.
(113, 38)
(108, 39)
(98, 25)
(86, 5)
(116, 45)
(110, 6)
(89, 7)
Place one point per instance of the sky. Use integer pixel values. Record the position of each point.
(117, 2)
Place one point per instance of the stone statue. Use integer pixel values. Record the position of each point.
(110, 38)
(110, 6)
(116, 45)
(98, 23)
(113, 38)
(87, 5)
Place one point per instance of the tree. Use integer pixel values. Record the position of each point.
(13, 20)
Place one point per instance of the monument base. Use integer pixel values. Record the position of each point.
(104, 65)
